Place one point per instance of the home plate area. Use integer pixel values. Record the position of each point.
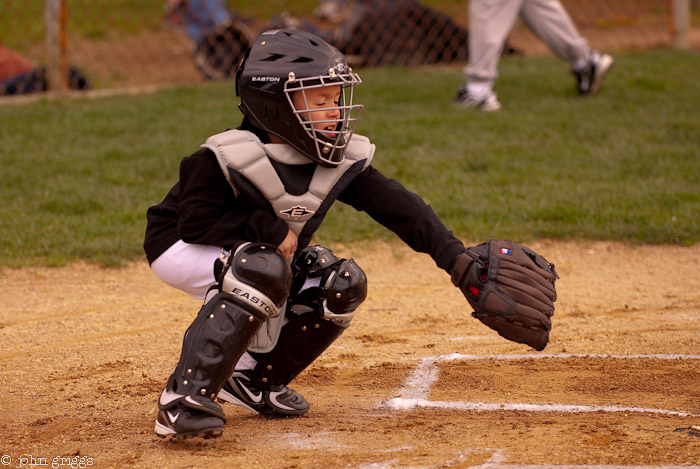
(558, 383)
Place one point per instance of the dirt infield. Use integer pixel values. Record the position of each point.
(414, 383)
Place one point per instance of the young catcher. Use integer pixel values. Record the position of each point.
(235, 231)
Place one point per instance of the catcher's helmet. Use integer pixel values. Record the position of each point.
(285, 61)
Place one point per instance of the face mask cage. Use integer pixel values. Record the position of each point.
(337, 122)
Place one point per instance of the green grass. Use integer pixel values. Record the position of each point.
(622, 165)
(78, 174)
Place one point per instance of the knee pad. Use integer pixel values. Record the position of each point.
(346, 289)
(258, 277)
(331, 286)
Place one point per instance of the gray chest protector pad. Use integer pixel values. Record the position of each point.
(242, 152)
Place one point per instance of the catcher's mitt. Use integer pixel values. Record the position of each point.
(511, 289)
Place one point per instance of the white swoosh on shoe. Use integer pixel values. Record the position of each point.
(257, 398)
(273, 398)
(172, 417)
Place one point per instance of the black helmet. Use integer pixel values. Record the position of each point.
(282, 62)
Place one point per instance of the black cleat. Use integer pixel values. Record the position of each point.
(181, 416)
(181, 422)
(275, 401)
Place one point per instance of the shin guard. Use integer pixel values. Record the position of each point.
(301, 341)
(253, 285)
(214, 342)
(318, 314)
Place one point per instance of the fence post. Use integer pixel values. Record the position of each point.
(681, 24)
(56, 63)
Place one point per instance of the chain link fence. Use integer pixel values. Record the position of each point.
(124, 43)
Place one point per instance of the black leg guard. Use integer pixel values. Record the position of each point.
(219, 336)
(254, 283)
(213, 344)
(317, 315)
(302, 340)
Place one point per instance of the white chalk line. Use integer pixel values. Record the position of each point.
(535, 356)
(489, 465)
(497, 461)
(408, 404)
(415, 389)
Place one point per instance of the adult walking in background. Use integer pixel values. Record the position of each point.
(490, 22)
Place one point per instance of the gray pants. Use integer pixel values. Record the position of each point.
(490, 22)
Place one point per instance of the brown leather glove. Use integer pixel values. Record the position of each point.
(511, 289)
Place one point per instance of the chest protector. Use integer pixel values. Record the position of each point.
(241, 154)
(246, 164)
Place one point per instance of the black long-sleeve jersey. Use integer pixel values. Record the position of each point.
(202, 208)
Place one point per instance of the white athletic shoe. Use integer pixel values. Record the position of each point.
(488, 102)
(590, 76)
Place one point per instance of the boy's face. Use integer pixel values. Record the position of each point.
(322, 105)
